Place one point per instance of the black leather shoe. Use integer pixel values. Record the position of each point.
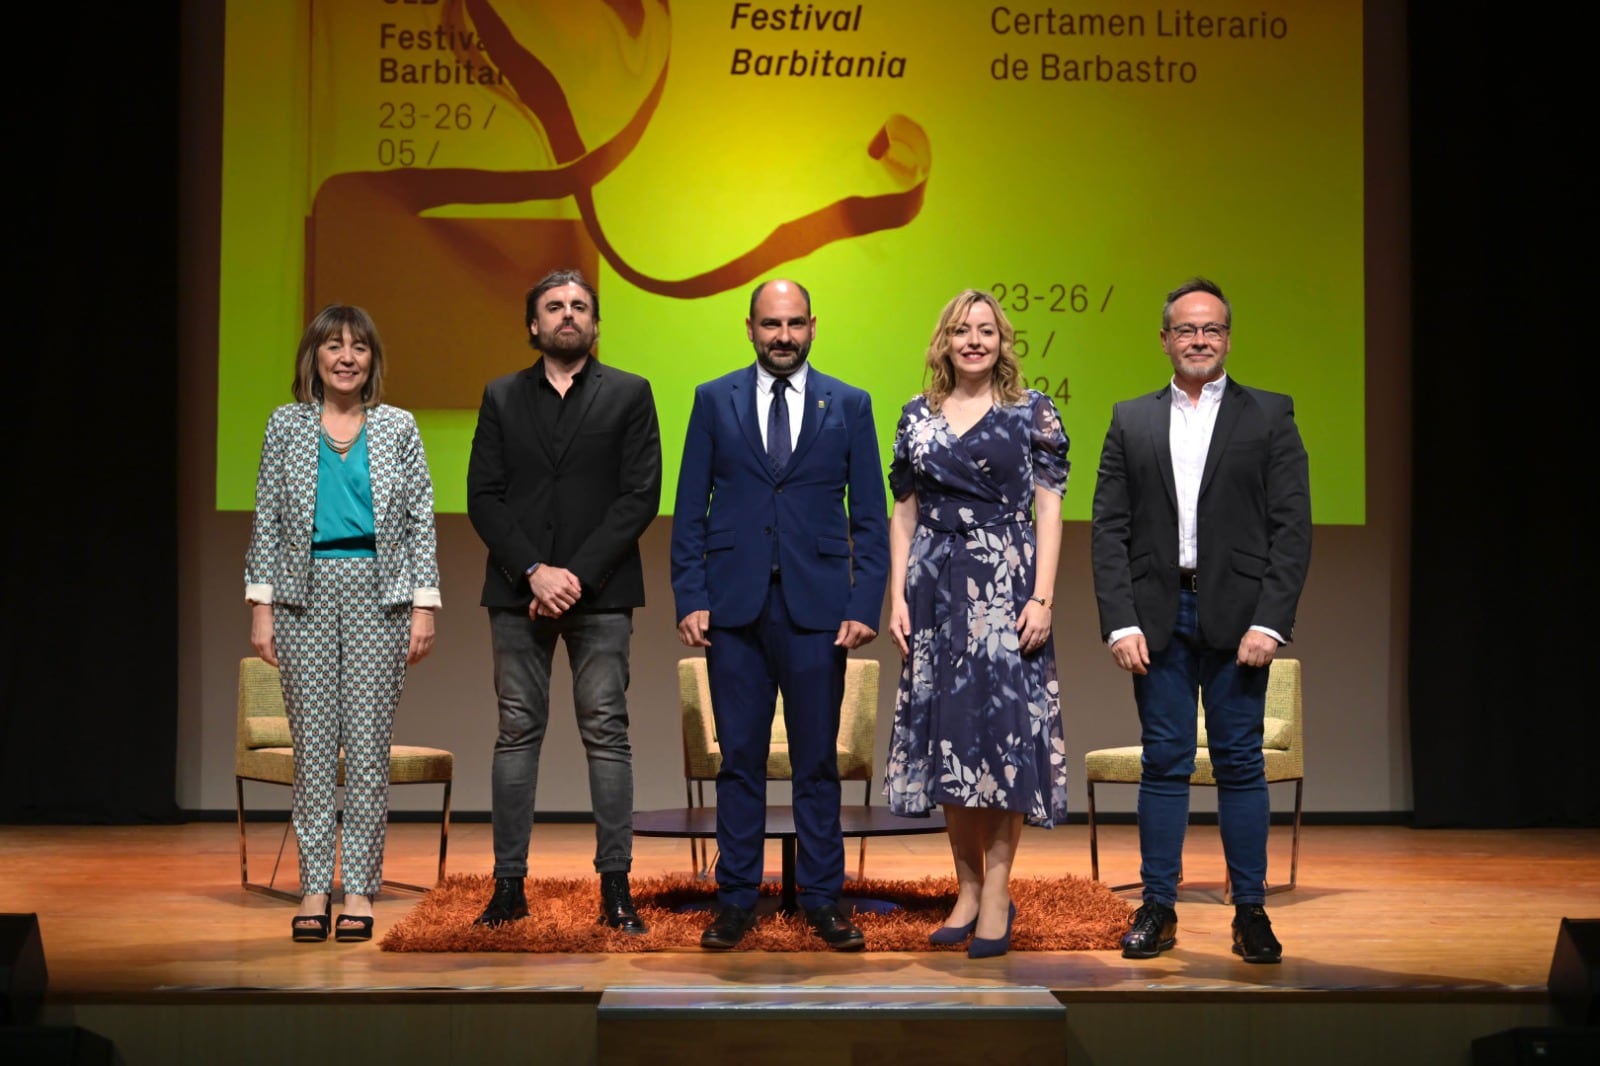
(507, 904)
(616, 905)
(1155, 929)
(1252, 934)
(728, 928)
(837, 931)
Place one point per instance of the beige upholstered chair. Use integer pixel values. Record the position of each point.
(858, 727)
(262, 752)
(1282, 742)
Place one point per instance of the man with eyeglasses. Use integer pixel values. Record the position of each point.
(1201, 540)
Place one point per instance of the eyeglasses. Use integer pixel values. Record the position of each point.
(1185, 333)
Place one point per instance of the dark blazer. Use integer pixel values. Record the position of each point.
(730, 506)
(1253, 522)
(582, 507)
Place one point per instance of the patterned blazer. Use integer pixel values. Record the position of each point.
(278, 564)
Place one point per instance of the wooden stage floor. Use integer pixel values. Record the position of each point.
(1382, 916)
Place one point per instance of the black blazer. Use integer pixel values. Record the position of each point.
(582, 508)
(1253, 522)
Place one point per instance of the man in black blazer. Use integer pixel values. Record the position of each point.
(1201, 540)
(564, 478)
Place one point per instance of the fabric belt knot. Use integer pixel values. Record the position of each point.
(970, 520)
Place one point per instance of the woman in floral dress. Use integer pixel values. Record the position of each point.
(979, 467)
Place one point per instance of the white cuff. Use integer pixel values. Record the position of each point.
(1118, 634)
(426, 598)
(1273, 633)
(257, 593)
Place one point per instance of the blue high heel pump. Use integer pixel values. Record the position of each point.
(988, 949)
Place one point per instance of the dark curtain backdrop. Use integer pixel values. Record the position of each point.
(1502, 691)
(1502, 719)
(88, 623)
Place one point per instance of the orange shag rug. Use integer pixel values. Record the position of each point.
(1053, 914)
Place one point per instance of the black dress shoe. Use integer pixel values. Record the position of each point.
(1155, 929)
(616, 905)
(1252, 934)
(507, 904)
(728, 928)
(837, 931)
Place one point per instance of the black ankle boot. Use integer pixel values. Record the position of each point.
(508, 903)
(616, 904)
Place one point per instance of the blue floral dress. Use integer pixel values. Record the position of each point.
(976, 723)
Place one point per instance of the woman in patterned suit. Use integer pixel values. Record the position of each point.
(342, 581)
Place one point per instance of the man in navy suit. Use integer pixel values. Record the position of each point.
(777, 583)
(1201, 540)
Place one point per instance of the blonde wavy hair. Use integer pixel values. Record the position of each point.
(940, 377)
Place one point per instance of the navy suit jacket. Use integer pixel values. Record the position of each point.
(1254, 534)
(730, 506)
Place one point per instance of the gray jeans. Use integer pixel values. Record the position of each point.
(597, 650)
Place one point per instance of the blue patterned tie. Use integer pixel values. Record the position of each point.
(779, 447)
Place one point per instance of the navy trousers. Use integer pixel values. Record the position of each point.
(748, 666)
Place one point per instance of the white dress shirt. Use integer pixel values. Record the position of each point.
(1189, 430)
(795, 398)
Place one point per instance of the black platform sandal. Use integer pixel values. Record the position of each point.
(312, 928)
(351, 933)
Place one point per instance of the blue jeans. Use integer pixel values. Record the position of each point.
(1236, 703)
(597, 650)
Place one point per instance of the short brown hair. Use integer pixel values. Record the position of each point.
(1193, 285)
(332, 321)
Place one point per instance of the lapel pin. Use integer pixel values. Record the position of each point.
(821, 404)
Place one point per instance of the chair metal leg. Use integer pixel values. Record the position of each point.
(1294, 848)
(694, 844)
(444, 844)
(861, 856)
(244, 862)
(700, 856)
(444, 830)
(1094, 839)
(1294, 854)
(1094, 848)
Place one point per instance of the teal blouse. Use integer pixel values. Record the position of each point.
(344, 527)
